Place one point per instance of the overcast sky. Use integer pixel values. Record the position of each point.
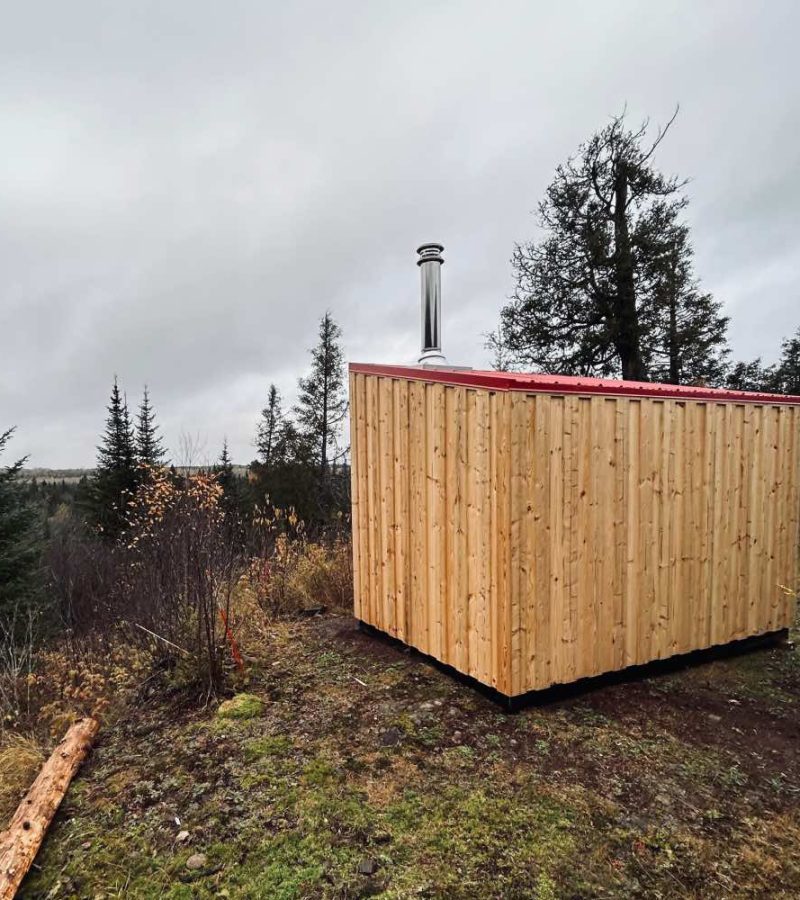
(185, 187)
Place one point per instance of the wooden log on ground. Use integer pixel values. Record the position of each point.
(20, 842)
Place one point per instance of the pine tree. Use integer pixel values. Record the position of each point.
(787, 374)
(223, 469)
(588, 300)
(20, 542)
(116, 476)
(322, 402)
(684, 338)
(149, 447)
(270, 429)
(751, 376)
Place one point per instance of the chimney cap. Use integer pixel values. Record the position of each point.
(430, 252)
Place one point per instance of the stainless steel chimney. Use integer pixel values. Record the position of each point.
(430, 267)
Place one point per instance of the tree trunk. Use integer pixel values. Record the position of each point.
(20, 842)
(674, 350)
(627, 325)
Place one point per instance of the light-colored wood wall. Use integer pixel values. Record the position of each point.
(534, 539)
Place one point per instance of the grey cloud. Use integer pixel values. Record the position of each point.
(186, 187)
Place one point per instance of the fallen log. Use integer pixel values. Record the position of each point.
(20, 842)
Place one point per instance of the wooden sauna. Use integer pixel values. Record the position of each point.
(530, 530)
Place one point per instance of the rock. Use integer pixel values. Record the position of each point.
(367, 867)
(714, 718)
(182, 836)
(196, 861)
(391, 737)
(242, 706)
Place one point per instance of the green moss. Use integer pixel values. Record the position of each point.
(271, 745)
(242, 706)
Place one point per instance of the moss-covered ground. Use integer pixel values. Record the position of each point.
(365, 771)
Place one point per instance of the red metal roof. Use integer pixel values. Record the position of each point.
(567, 384)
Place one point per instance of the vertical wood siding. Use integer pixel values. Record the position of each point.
(533, 539)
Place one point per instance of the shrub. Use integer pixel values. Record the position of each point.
(180, 555)
(300, 575)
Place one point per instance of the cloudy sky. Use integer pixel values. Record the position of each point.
(185, 187)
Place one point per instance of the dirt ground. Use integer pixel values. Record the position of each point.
(366, 771)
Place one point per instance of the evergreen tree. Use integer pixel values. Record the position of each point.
(224, 467)
(115, 477)
(322, 401)
(787, 374)
(684, 338)
(751, 376)
(593, 297)
(20, 542)
(149, 447)
(271, 428)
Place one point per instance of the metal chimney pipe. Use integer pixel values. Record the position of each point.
(430, 267)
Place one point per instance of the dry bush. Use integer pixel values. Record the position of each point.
(73, 680)
(180, 558)
(21, 758)
(302, 574)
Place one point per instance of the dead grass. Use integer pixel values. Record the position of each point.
(21, 758)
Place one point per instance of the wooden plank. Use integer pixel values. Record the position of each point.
(754, 513)
(456, 550)
(435, 462)
(693, 599)
(664, 478)
(793, 535)
(472, 537)
(418, 627)
(356, 505)
(677, 525)
(366, 562)
(618, 411)
(648, 537)
(539, 598)
(401, 511)
(20, 842)
(520, 534)
(559, 596)
(680, 584)
(737, 517)
(373, 522)
(484, 461)
(787, 533)
(721, 458)
(790, 601)
(500, 473)
(386, 505)
(633, 533)
(573, 536)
